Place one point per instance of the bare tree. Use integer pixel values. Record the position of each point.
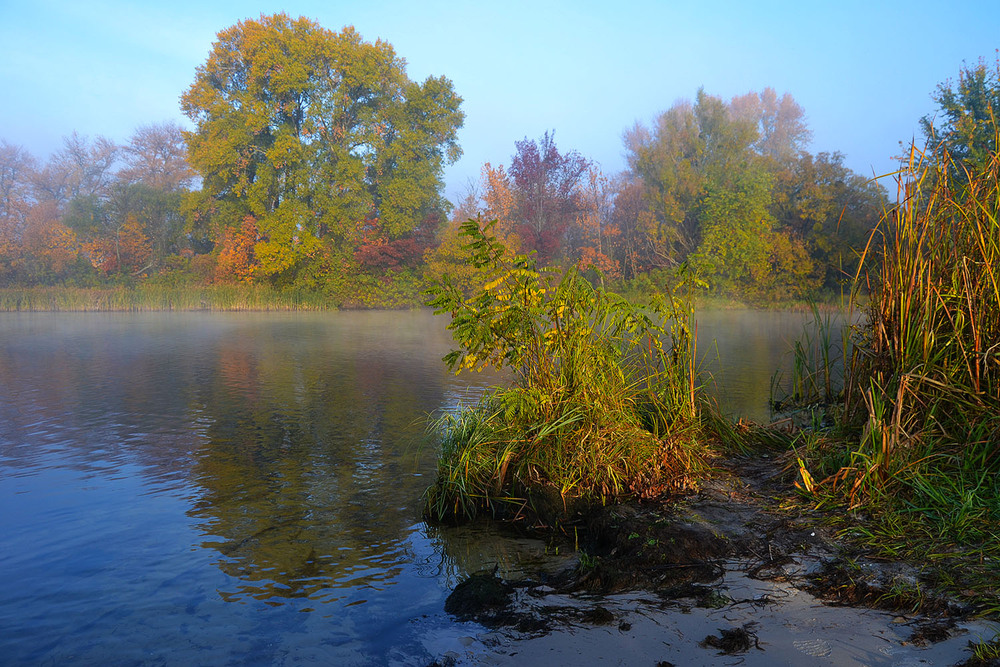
(80, 169)
(782, 133)
(156, 156)
(17, 168)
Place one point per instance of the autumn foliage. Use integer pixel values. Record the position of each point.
(315, 134)
(52, 247)
(236, 261)
(315, 163)
(128, 251)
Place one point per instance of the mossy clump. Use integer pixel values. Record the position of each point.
(483, 594)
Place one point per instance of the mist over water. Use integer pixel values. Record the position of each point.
(743, 353)
(195, 488)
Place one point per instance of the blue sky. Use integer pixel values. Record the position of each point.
(863, 71)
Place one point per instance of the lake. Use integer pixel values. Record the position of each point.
(199, 488)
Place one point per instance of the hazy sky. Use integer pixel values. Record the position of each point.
(863, 71)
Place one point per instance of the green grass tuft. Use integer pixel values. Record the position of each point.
(921, 410)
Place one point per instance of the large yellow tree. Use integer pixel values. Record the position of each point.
(319, 135)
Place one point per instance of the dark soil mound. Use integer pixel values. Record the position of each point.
(480, 596)
(732, 640)
(632, 548)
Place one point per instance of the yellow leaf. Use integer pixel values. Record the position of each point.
(493, 284)
(807, 480)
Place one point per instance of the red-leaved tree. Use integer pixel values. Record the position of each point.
(546, 184)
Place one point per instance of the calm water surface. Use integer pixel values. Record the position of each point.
(742, 352)
(194, 488)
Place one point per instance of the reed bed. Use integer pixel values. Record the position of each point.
(159, 298)
(922, 394)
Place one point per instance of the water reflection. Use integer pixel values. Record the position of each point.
(308, 465)
(180, 487)
(742, 353)
(160, 471)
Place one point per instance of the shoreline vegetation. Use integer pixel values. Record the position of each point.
(899, 461)
(328, 182)
(154, 298)
(603, 402)
(263, 298)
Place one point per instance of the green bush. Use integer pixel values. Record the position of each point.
(603, 402)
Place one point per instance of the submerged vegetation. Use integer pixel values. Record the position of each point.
(603, 402)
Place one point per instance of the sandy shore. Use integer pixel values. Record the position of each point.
(786, 627)
(723, 579)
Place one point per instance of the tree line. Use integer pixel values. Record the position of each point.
(315, 163)
(94, 209)
(722, 190)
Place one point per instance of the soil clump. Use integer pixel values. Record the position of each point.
(732, 640)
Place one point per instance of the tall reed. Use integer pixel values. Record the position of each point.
(923, 386)
(818, 359)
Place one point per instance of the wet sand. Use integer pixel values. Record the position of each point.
(720, 578)
(786, 627)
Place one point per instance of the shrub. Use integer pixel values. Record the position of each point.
(602, 405)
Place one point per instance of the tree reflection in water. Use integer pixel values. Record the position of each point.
(311, 467)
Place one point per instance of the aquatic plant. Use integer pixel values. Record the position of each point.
(818, 360)
(603, 404)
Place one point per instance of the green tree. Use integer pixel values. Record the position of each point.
(666, 159)
(319, 135)
(735, 223)
(730, 190)
(830, 211)
(966, 119)
(707, 187)
(691, 149)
